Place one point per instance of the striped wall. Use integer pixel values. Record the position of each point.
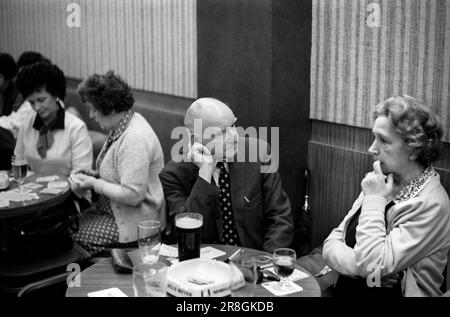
(354, 66)
(151, 43)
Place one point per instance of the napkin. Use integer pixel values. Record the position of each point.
(110, 292)
(293, 288)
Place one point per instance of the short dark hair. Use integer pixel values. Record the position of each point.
(417, 124)
(107, 93)
(29, 57)
(8, 67)
(41, 75)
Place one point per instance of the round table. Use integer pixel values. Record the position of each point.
(102, 276)
(45, 201)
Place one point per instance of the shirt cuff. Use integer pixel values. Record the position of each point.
(373, 203)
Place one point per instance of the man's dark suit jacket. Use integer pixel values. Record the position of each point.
(264, 222)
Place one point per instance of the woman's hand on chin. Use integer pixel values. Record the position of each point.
(376, 183)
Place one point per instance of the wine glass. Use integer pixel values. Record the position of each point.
(284, 264)
(19, 166)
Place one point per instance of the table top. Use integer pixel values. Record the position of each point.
(102, 276)
(44, 202)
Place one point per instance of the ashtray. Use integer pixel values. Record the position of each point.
(200, 277)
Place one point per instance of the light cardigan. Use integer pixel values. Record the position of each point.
(129, 177)
(70, 151)
(415, 240)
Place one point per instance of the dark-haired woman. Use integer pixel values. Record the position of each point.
(400, 224)
(52, 140)
(127, 168)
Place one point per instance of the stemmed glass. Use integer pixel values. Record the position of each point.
(19, 166)
(284, 264)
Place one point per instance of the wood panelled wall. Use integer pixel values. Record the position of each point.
(338, 160)
(354, 66)
(151, 43)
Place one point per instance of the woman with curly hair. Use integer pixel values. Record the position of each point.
(127, 168)
(395, 239)
(52, 140)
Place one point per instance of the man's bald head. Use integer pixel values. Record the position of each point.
(211, 112)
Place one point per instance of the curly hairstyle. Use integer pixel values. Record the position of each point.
(41, 75)
(108, 93)
(416, 123)
(8, 66)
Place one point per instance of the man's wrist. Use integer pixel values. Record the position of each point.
(206, 173)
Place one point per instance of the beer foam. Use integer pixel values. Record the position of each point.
(188, 223)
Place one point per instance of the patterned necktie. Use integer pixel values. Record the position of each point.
(230, 235)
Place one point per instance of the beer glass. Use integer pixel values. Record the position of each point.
(19, 166)
(189, 228)
(149, 240)
(284, 264)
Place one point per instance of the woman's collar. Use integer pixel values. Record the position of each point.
(117, 131)
(414, 186)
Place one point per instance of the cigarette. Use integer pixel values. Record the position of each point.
(231, 257)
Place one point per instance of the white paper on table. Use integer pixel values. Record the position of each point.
(293, 288)
(110, 292)
(32, 186)
(295, 276)
(167, 250)
(206, 252)
(57, 185)
(51, 191)
(50, 178)
(210, 253)
(4, 203)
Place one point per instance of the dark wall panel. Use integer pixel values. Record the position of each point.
(255, 55)
(234, 41)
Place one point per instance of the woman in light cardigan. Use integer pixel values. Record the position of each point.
(399, 227)
(127, 168)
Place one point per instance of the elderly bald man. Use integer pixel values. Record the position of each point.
(240, 204)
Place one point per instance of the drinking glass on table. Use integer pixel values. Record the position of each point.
(19, 166)
(150, 280)
(284, 264)
(149, 240)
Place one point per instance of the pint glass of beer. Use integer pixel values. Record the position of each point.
(189, 228)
